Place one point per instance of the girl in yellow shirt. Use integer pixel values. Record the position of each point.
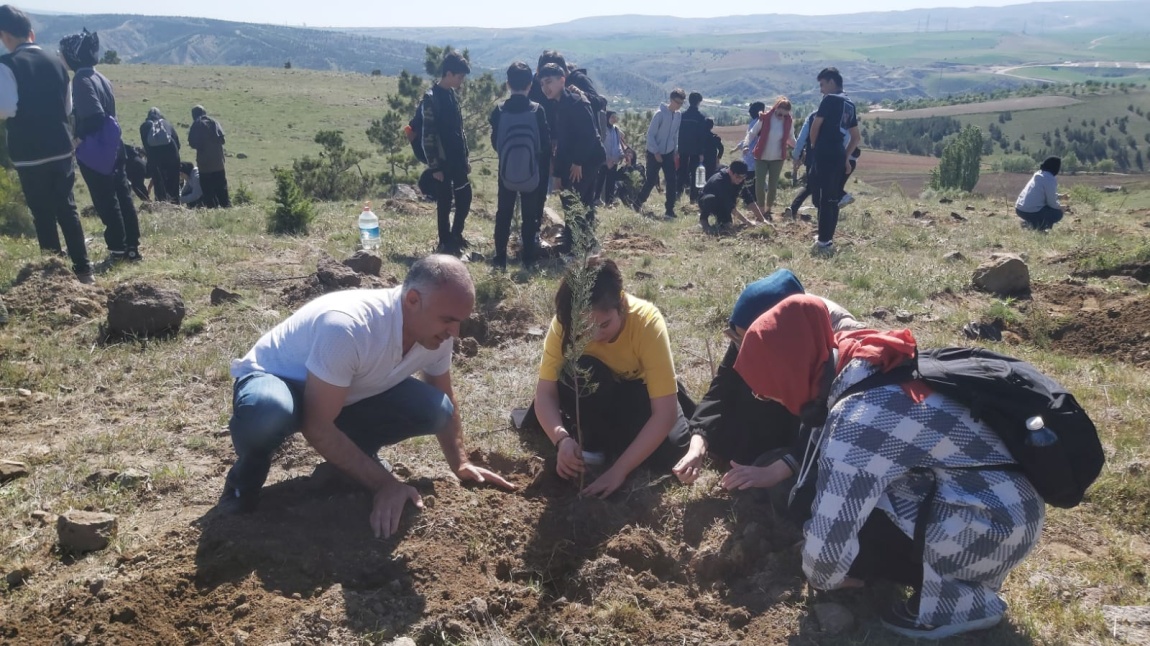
(633, 411)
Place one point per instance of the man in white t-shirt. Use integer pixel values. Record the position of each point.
(340, 370)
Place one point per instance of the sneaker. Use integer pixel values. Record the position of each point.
(847, 200)
(87, 278)
(231, 502)
(901, 621)
(133, 255)
(788, 214)
(499, 263)
(670, 215)
(823, 248)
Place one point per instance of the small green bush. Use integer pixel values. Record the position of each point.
(1086, 195)
(1015, 164)
(243, 196)
(293, 212)
(15, 220)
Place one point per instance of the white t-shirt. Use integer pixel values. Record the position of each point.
(351, 339)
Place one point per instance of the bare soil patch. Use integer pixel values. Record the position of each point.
(305, 568)
(625, 239)
(48, 291)
(1090, 321)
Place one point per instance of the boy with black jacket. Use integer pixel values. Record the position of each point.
(720, 196)
(693, 139)
(519, 80)
(578, 150)
(35, 101)
(445, 148)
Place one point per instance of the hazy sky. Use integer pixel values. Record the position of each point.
(472, 13)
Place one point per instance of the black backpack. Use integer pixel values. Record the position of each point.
(1004, 392)
(414, 131)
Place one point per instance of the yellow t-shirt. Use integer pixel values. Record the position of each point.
(642, 351)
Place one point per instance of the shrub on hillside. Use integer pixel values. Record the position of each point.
(335, 175)
(959, 167)
(15, 220)
(1015, 164)
(1083, 194)
(243, 195)
(293, 212)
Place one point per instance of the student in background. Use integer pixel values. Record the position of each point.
(663, 151)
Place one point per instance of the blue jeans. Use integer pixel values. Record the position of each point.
(267, 409)
(1043, 220)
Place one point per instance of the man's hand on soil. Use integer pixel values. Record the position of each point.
(387, 508)
(468, 471)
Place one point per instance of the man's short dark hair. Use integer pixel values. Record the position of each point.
(709, 123)
(551, 56)
(738, 167)
(454, 63)
(678, 94)
(15, 22)
(519, 76)
(695, 98)
(756, 109)
(831, 74)
(611, 113)
(551, 69)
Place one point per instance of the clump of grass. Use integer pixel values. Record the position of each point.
(243, 195)
(1003, 309)
(1085, 194)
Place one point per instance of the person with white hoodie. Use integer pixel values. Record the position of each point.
(663, 151)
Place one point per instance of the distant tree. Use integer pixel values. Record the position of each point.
(377, 72)
(293, 212)
(959, 166)
(330, 177)
(111, 57)
(287, 65)
(1070, 164)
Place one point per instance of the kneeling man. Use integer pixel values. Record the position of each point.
(340, 371)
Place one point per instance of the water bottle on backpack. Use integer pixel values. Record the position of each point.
(1037, 434)
(368, 229)
(700, 176)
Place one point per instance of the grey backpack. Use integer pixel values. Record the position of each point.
(158, 135)
(518, 145)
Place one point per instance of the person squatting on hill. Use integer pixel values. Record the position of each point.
(836, 118)
(524, 125)
(340, 369)
(1038, 204)
(885, 456)
(206, 136)
(730, 423)
(445, 148)
(720, 195)
(35, 102)
(162, 148)
(769, 139)
(100, 152)
(635, 412)
(663, 151)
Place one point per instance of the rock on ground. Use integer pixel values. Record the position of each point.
(85, 531)
(220, 296)
(12, 470)
(365, 262)
(833, 618)
(1003, 274)
(143, 310)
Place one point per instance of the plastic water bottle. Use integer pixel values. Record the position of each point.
(368, 229)
(700, 176)
(1038, 434)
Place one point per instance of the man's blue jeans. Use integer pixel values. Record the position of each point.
(267, 409)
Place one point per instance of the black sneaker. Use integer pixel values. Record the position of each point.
(133, 255)
(901, 621)
(670, 215)
(499, 263)
(231, 502)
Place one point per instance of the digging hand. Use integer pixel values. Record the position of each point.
(569, 461)
(689, 467)
(468, 471)
(387, 508)
(606, 484)
(742, 476)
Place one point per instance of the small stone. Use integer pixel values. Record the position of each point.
(535, 331)
(903, 316)
(85, 531)
(132, 478)
(402, 641)
(970, 207)
(945, 200)
(240, 637)
(125, 616)
(918, 214)
(429, 502)
(96, 586)
(834, 618)
(365, 262)
(954, 256)
(23, 392)
(880, 314)
(1003, 274)
(956, 216)
(400, 469)
(18, 577)
(241, 155)
(476, 609)
(45, 518)
(12, 470)
(102, 477)
(220, 296)
(405, 193)
(241, 611)
(466, 347)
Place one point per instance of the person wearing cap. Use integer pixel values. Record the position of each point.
(630, 406)
(730, 423)
(898, 482)
(1038, 204)
(206, 136)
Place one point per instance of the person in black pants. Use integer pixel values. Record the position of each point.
(33, 100)
(445, 148)
(693, 139)
(136, 168)
(94, 109)
(519, 82)
(663, 151)
(720, 195)
(835, 120)
(162, 148)
(635, 413)
(578, 149)
(206, 136)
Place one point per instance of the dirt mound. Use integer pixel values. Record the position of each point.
(1084, 320)
(332, 276)
(494, 326)
(1136, 270)
(627, 240)
(49, 291)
